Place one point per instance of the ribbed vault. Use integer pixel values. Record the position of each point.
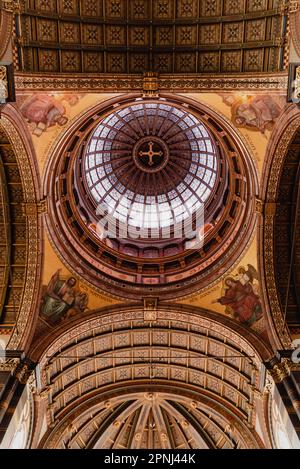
(181, 354)
(153, 420)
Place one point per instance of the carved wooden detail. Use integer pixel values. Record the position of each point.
(13, 238)
(120, 36)
(172, 83)
(274, 233)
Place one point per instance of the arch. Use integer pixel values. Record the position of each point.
(202, 422)
(186, 350)
(282, 136)
(6, 29)
(17, 133)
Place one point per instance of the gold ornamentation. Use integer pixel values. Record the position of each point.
(30, 288)
(150, 84)
(10, 364)
(22, 373)
(259, 205)
(150, 309)
(277, 161)
(294, 6)
(269, 384)
(3, 84)
(169, 83)
(150, 153)
(11, 6)
(297, 84)
(37, 208)
(282, 370)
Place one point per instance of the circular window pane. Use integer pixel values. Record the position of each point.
(151, 165)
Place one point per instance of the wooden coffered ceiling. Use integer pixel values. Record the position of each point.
(286, 236)
(13, 236)
(165, 36)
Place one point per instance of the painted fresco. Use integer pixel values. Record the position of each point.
(43, 111)
(241, 299)
(62, 299)
(258, 112)
(240, 296)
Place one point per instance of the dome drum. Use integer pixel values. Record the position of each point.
(151, 164)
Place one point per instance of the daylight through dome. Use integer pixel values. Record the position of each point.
(151, 192)
(151, 165)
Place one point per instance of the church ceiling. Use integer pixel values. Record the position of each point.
(13, 235)
(176, 382)
(286, 235)
(165, 36)
(150, 420)
(152, 256)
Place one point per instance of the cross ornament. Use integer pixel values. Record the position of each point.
(150, 153)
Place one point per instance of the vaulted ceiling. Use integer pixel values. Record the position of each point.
(286, 235)
(117, 381)
(165, 36)
(13, 234)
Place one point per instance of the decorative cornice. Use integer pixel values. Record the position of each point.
(282, 370)
(10, 6)
(126, 83)
(9, 365)
(269, 384)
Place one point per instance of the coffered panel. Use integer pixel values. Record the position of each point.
(135, 36)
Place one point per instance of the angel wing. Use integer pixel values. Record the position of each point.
(252, 273)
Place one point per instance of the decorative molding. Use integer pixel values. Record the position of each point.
(170, 83)
(150, 85)
(37, 208)
(3, 84)
(294, 6)
(6, 30)
(259, 205)
(274, 162)
(150, 309)
(282, 370)
(10, 6)
(33, 247)
(9, 365)
(269, 384)
(294, 19)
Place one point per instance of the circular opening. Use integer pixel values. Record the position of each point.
(107, 165)
(151, 166)
(150, 154)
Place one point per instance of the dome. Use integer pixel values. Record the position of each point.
(170, 172)
(151, 165)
